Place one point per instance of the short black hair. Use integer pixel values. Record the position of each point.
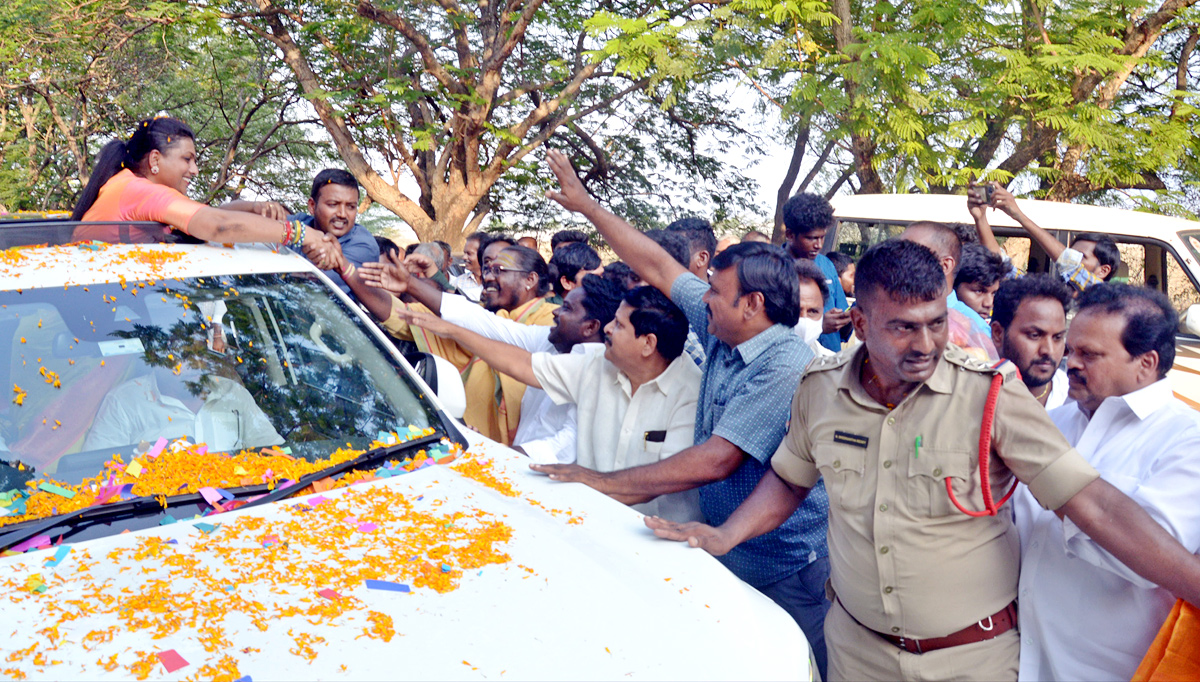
(475, 237)
(1013, 292)
(768, 270)
(807, 212)
(568, 261)
(531, 261)
(487, 239)
(567, 237)
(601, 298)
(945, 236)
(1150, 319)
(980, 266)
(674, 243)
(808, 270)
(1106, 251)
(654, 313)
(840, 261)
(332, 176)
(902, 269)
(699, 233)
(386, 245)
(621, 274)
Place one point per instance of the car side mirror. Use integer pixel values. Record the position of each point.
(443, 378)
(1191, 319)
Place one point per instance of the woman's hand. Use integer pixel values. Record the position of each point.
(323, 250)
(270, 209)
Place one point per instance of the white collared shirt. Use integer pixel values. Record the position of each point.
(623, 430)
(1059, 386)
(138, 411)
(1083, 614)
(546, 432)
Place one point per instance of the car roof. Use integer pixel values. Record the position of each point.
(1052, 215)
(32, 267)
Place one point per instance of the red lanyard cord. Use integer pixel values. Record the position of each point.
(985, 457)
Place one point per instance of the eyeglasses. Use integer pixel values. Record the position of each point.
(495, 270)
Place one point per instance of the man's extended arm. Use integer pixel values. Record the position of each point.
(1005, 201)
(391, 275)
(771, 503)
(644, 255)
(1123, 528)
(501, 357)
(712, 460)
(978, 211)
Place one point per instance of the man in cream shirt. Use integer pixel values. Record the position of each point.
(636, 397)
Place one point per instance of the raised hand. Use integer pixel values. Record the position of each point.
(420, 265)
(571, 195)
(695, 534)
(388, 274)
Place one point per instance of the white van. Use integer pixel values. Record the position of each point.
(350, 528)
(1156, 251)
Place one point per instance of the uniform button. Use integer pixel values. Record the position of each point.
(937, 471)
(1035, 545)
(837, 463)
(888, 589)
(887, 464)
(891, 420)
(883, 550)
(895, 629)
(883, 507)
(1029, 641)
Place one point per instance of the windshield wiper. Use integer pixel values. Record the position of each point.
(362, 461)
(143, 506)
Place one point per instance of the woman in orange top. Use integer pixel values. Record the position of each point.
(146, 178)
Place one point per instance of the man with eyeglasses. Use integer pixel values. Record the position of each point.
(515, 282)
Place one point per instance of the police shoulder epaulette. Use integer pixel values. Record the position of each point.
(824, 363)
(961, 358)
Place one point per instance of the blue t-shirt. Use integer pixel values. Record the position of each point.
(746, 397)
(837, 299)
(358, 246)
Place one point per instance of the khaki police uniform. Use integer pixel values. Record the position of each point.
(904, 561)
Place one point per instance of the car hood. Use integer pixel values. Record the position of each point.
(509, 575)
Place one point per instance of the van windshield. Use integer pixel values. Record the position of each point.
(235, 362)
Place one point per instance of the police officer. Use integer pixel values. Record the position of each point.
(923, 568)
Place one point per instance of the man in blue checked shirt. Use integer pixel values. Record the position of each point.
(744, 317)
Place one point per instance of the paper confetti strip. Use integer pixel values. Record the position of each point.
(366, 527)
(171, 660)
(386, 585)
(135, 469)
(329, 594)
(57, 490)
(59, 555)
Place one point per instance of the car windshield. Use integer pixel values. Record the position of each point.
(236, 362)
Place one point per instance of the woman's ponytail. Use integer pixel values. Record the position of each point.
(108, 164)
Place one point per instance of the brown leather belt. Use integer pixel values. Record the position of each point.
(993, 626)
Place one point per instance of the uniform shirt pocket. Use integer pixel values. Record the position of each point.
(927, 474)
(842, 466)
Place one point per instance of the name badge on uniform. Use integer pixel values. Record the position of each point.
(656, 436)
(850, 439)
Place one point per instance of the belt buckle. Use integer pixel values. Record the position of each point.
(989, 627)
(916, 645)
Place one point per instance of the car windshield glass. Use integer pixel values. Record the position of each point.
(238, 363)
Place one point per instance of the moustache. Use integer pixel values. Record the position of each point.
(1077, 377)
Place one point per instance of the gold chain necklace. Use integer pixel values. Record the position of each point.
(1044, 392)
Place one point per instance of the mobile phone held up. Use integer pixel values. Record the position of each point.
(982, 193)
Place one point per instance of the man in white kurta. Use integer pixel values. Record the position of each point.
(1083, 614)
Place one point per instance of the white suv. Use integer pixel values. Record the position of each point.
(347, 528)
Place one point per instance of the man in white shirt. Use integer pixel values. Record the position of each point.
(638, 394)
(209, 409)
(1083, 614)
(547, 431)
(1029, 328)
